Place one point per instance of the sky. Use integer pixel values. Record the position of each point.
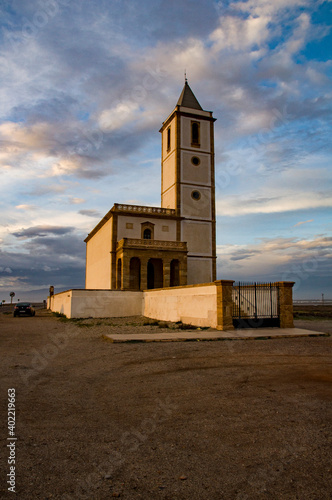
(85, 87)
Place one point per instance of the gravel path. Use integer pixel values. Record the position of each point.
(233, 420)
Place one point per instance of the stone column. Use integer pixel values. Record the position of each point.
(144, 274)
(166, 273)
(117, 277)
(224, 304)
(125, 272)
(286, 303)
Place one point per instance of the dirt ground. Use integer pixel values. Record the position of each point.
(233, 420)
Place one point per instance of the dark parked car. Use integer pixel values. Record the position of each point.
(24, 308)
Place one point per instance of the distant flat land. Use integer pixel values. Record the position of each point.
(313, 317)
(314, 311)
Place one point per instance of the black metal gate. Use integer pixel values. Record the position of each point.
(255, 305)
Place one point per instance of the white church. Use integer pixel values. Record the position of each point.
(137, 247)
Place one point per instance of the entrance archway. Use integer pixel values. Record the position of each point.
(135, 273)
(155, 273)
(175, 273)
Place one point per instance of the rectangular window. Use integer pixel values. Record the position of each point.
(129, 225)
(195, 134)
(165, 229)
(168, 138)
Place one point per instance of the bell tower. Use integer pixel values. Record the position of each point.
(188, 182)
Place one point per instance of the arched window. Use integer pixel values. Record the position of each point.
(147, 231)
(195, 133)
(147, 234)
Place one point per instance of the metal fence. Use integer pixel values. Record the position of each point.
(255, 305)
(321, 302)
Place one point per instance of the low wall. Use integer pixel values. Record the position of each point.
(194, 305)
(61, 303)
(206, 305)
(97, 303)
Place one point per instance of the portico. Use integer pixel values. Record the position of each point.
(144, 264)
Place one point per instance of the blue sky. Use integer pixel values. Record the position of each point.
(85, 87)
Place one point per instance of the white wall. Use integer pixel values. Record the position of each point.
(199, 270)
(196, 305)
(97, 303)
(61, 303)
(136, 230)
(98, 258)
(196, 174)
(198, 236)
(195, 209)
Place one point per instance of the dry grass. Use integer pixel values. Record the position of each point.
(312, 311)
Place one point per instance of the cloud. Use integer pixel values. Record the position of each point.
(66, 247)
(122, 114)
(280, 259)
(67, 166)
(37, 136)
(241, 34)
(55, 256)
(49, 150)
(41, 231)
(290, 201)
(259, 7)
(303, 222)
(90, 213)
(76, 201)
(26, 207)
(243, 254)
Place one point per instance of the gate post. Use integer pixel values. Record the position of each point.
(286, 303)
(224, 304)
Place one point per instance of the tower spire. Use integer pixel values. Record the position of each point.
(185, 76)
(187, 98)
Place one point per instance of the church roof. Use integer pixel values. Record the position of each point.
(187, 98)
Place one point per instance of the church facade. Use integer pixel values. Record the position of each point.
(140, 247)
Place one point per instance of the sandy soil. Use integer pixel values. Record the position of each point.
(200, 420)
